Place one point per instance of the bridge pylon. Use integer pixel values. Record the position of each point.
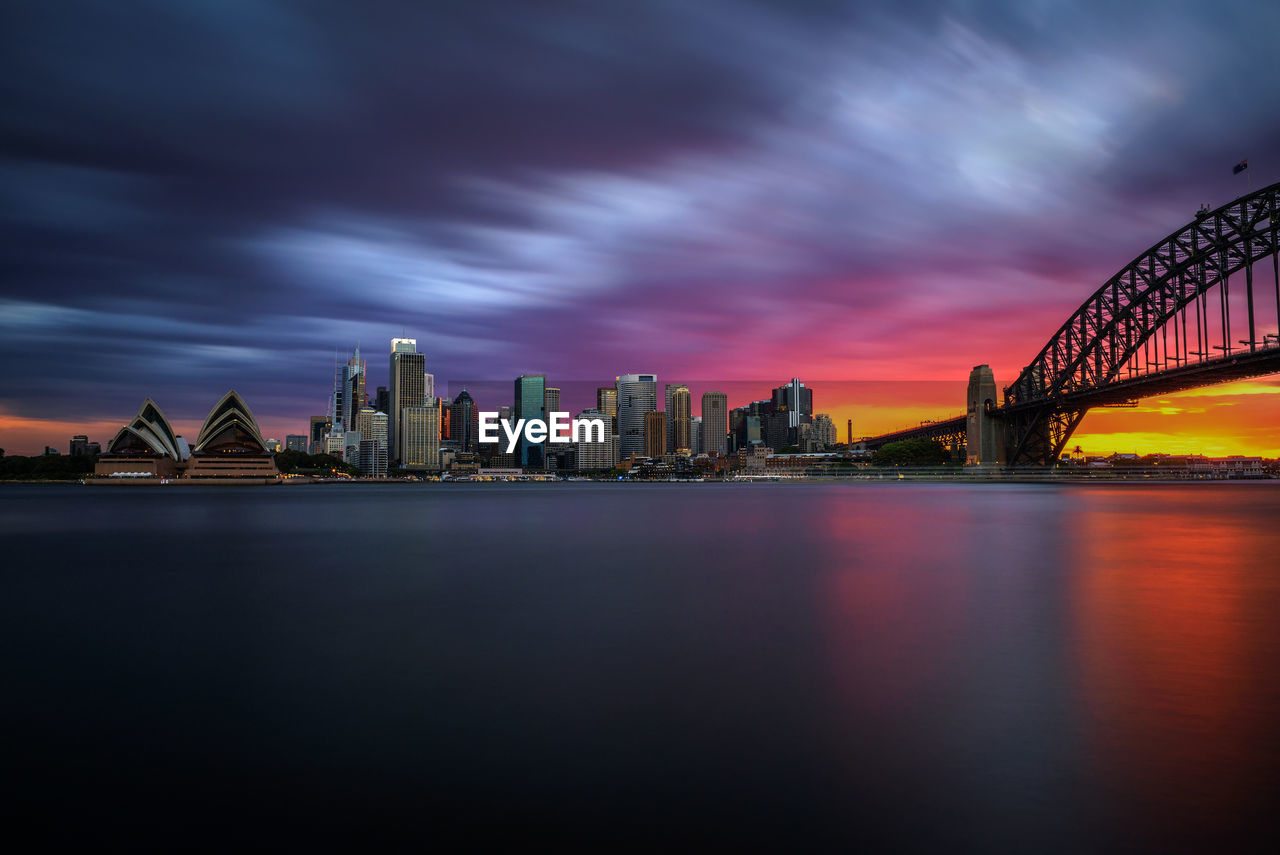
(984, 428)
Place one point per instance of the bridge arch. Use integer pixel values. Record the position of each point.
(1135, 328)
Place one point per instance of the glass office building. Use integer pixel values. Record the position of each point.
(529, 394)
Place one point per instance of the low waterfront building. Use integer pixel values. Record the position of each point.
(458, 462)
(335, 443)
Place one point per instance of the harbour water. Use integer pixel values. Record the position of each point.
(986, 667)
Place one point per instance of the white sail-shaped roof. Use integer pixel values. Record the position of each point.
(230, 422)
(150, 428)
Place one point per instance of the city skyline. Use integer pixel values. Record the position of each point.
(886, 406)
(880, 195)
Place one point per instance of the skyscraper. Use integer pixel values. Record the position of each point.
(795, 400)
(715, 422)
(420, 429)
(655, 434)
(777, 433)
(372, 426)
(372, 459)
(695, 435)
(593, 454)
(679, 403)
(550, 401)
(607, 403)
(637, 396)
(529, 391)
(349, 391)
(464, 420)
(408, 387)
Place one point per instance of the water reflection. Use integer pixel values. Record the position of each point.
(1100, 661)
(939, 666)
(1174, 607)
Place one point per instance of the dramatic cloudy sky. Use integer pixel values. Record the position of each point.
(202, 195)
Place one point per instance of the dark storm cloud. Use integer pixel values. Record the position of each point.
(206, 194)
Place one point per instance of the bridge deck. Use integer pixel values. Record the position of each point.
(945, 429)
(1225, 369)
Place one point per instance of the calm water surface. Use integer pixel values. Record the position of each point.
(895, 666)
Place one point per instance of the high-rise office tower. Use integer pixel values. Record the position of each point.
(464, 421)
(715, 422)
(372, 459)
(372, 425)
(382, 400)
(795, 400)
(349, 391)
(429, 386)
(695, 435)
(607, 403)
(336, 423)
(595, 452)
(296, 442)
(655, 434)
(637, 396)
(679, 405)
(529, 391)
(550, 401)
(408, 387)
(420, 428)
(777, 432)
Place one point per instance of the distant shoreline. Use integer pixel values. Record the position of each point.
(879, 477)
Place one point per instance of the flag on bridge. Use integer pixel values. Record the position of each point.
(1240, 167)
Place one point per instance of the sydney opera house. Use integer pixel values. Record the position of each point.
(229, 446)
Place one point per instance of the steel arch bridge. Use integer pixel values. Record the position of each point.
(1166, 322)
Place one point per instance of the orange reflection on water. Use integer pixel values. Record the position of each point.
(890, 604)
(1173, 602)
